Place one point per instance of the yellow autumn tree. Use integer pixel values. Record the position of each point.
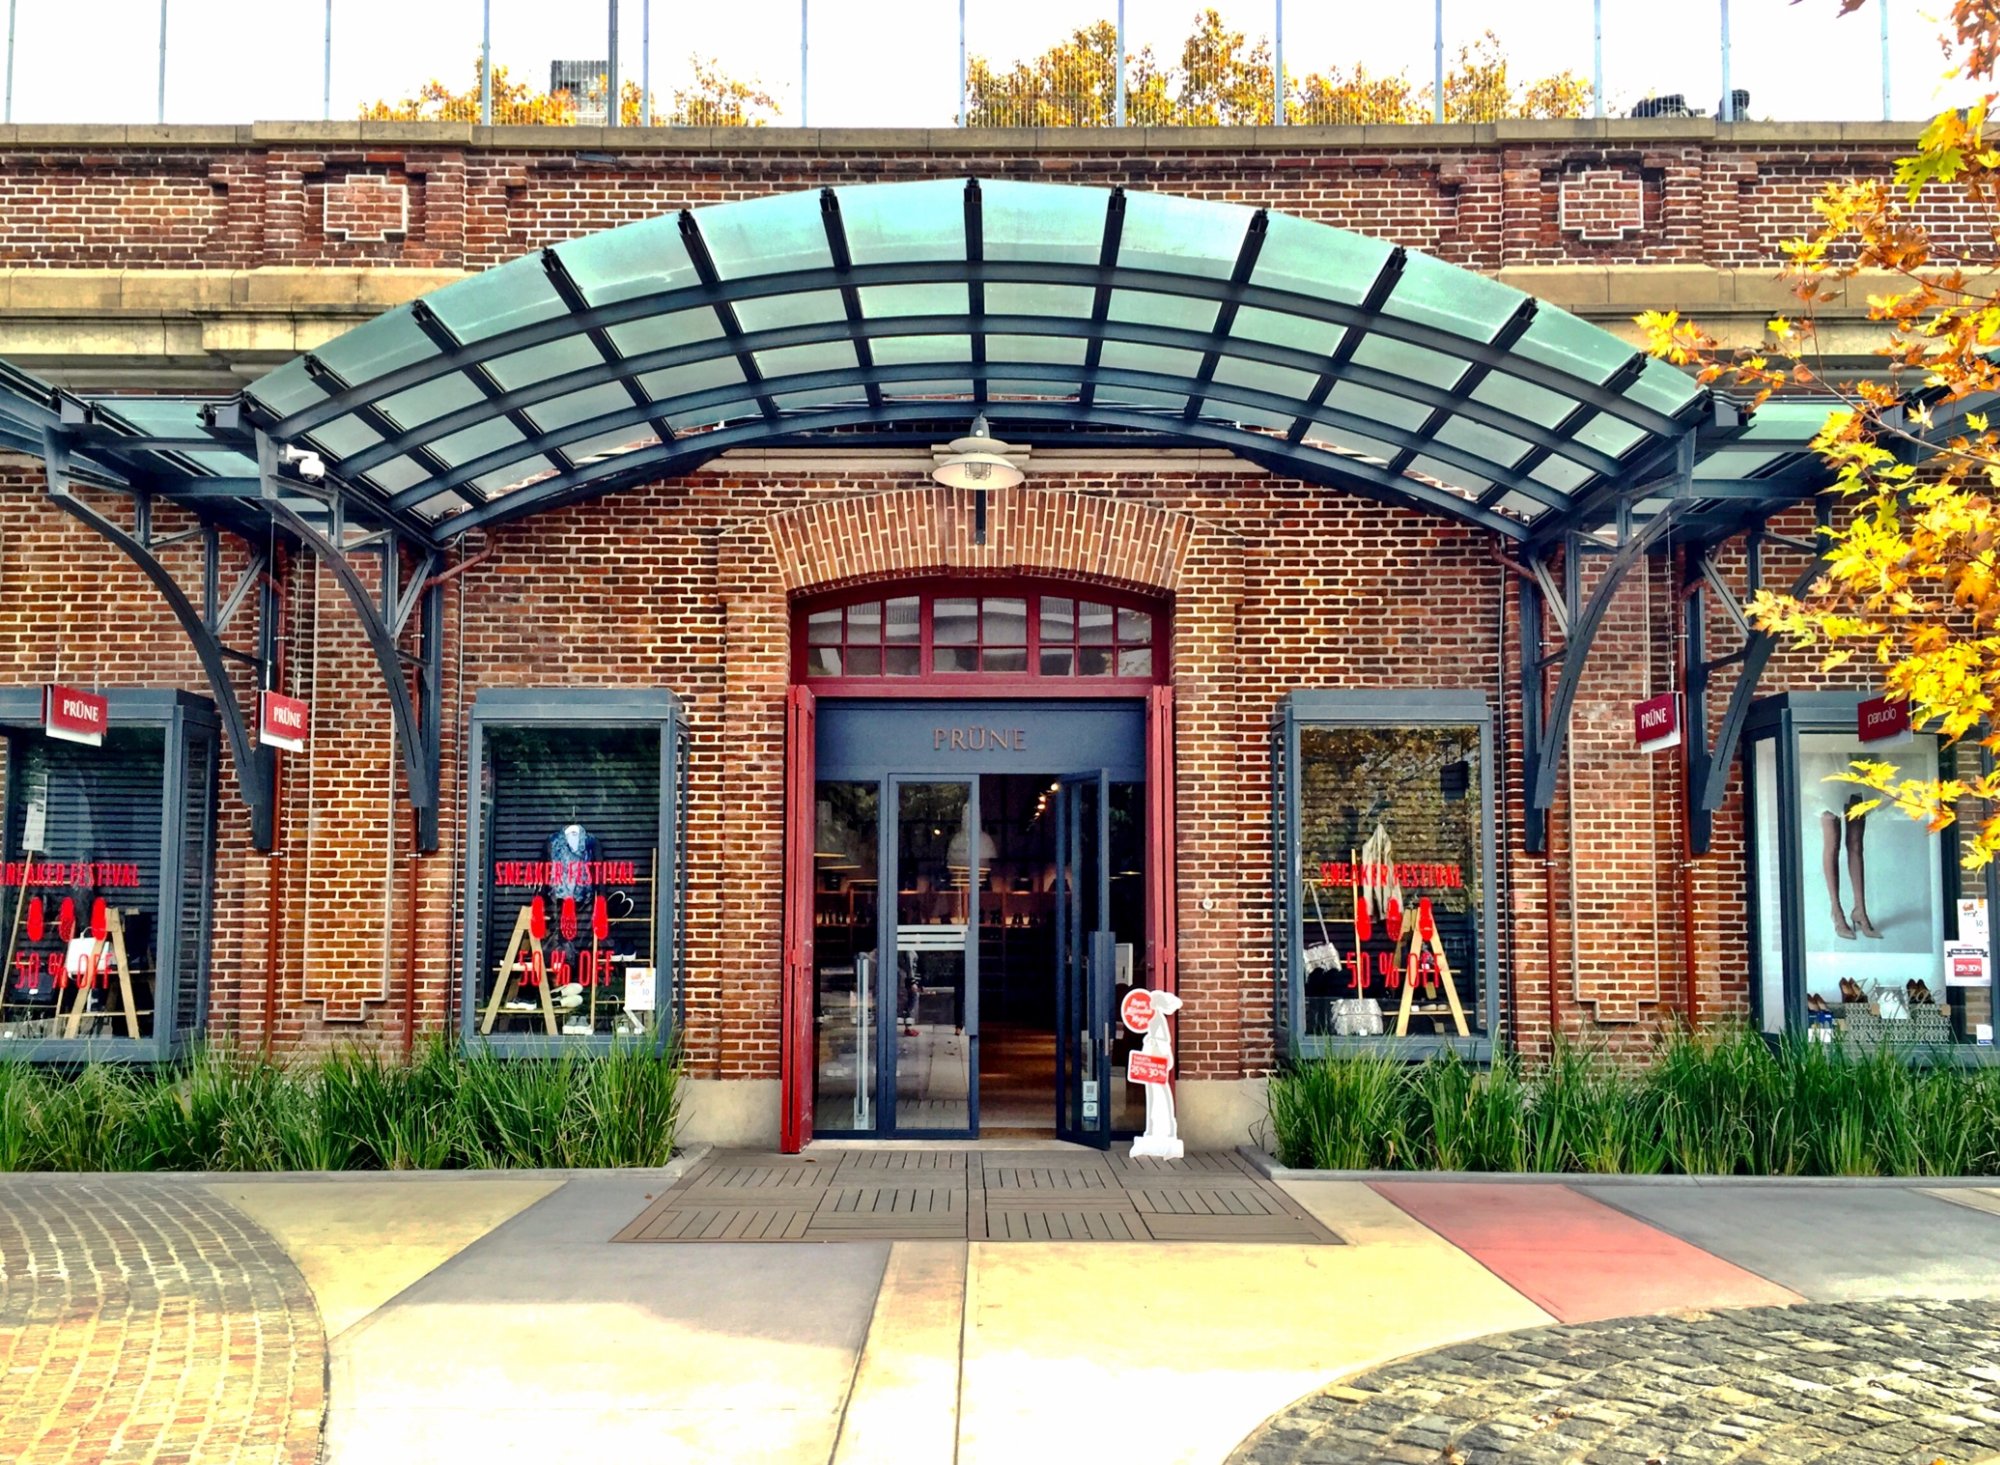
(1912, 564)
(710, 98)
(1223, 77)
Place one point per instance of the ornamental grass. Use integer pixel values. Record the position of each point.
(351, 1109)
(1722, 1102)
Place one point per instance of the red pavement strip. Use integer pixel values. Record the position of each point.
(1577, 1258)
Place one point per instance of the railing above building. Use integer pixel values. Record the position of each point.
(976, 63)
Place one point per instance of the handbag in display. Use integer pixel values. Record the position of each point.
(1357, 1017)
(1323, 955)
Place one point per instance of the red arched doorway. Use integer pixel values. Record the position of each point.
(979, 854)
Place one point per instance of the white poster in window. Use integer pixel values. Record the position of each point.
(35, 828)
(1965, 965)
(640, 986)
(1872, 888)
(1972, 926)
(1123, 964)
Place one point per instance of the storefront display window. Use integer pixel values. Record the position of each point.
(108, 877)
(1868, 930)
(577, 880)
(1385, 841)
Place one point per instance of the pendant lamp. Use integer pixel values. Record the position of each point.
(982, 463)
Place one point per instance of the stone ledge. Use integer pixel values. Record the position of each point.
(1137, 140)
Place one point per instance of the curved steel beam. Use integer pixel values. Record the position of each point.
(254, 766)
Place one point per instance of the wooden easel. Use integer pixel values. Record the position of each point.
(512, 969)
(114, 934)
(1407, 1008)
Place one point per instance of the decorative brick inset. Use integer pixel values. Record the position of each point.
(366, 209)
(1601, 205)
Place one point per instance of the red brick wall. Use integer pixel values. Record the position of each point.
(1717, 196)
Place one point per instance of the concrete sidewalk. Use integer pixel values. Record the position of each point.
(490, 1317)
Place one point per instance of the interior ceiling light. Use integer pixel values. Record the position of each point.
(982, 463)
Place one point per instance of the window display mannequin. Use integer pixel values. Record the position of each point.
(1835, 836)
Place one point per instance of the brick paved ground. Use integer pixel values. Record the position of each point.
(1872, 1383)
(146, 1321)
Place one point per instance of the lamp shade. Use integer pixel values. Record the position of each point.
(979, 461)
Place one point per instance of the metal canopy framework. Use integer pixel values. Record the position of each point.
(888, 314)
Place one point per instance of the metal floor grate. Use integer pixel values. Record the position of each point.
(975, 1194)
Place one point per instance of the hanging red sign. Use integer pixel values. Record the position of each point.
(282, 722)
(1146, 1068)
(1136, 1011)
(1656, 723)
(1878, 720)
(74, 715)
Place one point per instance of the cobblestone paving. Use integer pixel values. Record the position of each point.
(147, 1323)
(1876, 1382)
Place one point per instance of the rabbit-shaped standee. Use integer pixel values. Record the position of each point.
(1162, 1139)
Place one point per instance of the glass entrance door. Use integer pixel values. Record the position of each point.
(1085, 956)
(930, 1005)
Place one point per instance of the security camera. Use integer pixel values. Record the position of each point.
(308, 464)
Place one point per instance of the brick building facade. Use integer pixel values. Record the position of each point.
(187, 259)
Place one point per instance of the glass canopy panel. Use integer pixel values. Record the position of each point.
(1418, 363)
(879, 302)
(224, 464)
(477, 441)
(1064, 302)
(1261, 376)
(896, 350)
(430, 400)
(1019, 387)
(378, 346)
(397, 474)
(1520, 505)
(696, 376)
(663, 332)
(1561, 473)
(1327, 435)
(287, 389)
(1663, 388)
(1163, 231)
(344, 436)
(515, 294)
(1065, 350)
(154, 416)
(1036, 222)
(612, 442)
(1608, 434)
(579, 406)
(1797, 421)
(766, 236)
(1523, 399)
(1376, 406)
(1433, 293)
(635, 259)
(776, 312)
(1488, 443)
(1299, 332)
(1163, 360)
(1150, 307)
(1315, 260)
(1111, 394)
(1425, 466)
(798, 360)
(954, 388)
(1557, 338)
(1249, 416)
(886, 223)
(820, 397)
(540, 364)
(1728, 463)
(439, 503)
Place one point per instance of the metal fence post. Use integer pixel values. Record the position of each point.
(1883, 15)
(326, 70)
(1118, 72)
(645, 63)
(1437, 57)
(1278, 66)
(611, 64)
(161, 95)
(1727, 112)
(485, 63)
(1597, 54)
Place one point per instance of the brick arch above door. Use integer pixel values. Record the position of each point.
(929, 531)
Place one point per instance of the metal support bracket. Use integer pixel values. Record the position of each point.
(203, 624)
(1550, 678)
(416, 719)
(1709, 762)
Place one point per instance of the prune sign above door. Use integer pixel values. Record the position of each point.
(74, 715)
